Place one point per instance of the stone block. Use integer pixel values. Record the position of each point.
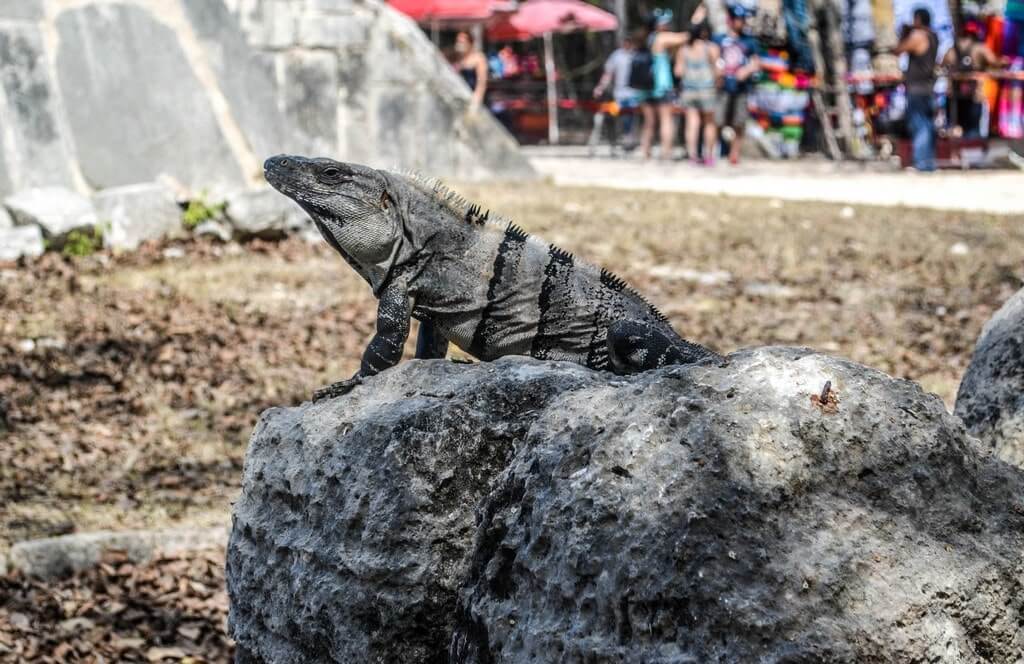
(56, 556)
(264, 213)
(333, 6)
(33, 139)
(310, 92)
(55, 210)
(244, 75)
(214, 229)
(21, 241)
(134, 104)
(21, 10)
(334, 32)
(134, 214)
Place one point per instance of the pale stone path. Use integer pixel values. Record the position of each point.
(997, 192)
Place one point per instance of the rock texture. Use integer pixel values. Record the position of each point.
(991, 396)
(523, 511)
(264, 213)
(56, 556)
(57, 211)
(21, 241)
(134, 214)
(98, 93)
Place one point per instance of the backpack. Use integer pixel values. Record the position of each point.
(641, 71)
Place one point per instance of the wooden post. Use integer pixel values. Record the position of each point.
(620, 11)
(824, 116)
(840, 87)
(549, 74)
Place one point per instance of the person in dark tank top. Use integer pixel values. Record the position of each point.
(921, 45)
(471, 64)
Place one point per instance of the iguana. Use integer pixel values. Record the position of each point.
(471, 279)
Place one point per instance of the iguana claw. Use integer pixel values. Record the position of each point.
(342, 387)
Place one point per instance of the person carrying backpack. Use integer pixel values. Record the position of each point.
(652, 74)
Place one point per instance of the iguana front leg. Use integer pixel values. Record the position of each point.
(394, 310)
(430, 344)
(634, 347)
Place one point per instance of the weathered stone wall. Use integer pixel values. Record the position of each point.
(107, 93)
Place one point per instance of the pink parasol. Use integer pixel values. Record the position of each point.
(423, 11)
(536, 18)
(543, 18)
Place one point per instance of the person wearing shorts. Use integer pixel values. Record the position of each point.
(737, 63)
(695, 67)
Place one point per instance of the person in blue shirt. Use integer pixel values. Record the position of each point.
(737, 64)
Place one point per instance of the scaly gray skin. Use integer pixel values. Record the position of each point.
(480, 283)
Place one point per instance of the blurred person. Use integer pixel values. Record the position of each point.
(658, 96)
(967, 58)
(471, 63)
(695, 67)
(617, 69)
(921, 45)
(737, 63)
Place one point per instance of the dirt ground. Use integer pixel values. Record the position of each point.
(129, 384)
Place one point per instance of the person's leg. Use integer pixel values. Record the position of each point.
(710, 138)
(627, 115)
(914, 124)
(739, 125)
(667, 122)
(920, 133)
(692, 130)
(929, 162)
(647, 130)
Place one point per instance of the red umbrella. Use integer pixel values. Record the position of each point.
(537, 17)
(423, 11)
(542, 18)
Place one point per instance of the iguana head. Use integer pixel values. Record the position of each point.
(353, 206)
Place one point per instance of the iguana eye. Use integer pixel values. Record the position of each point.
(330, 174)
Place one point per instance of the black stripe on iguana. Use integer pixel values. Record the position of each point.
(597, 350)
(557, 274)
(506, 262)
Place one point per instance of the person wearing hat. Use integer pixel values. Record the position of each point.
(964, 61)
(737, 64)
(658, 100)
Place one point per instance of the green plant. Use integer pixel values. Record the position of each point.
(84, 242)
(200, 210)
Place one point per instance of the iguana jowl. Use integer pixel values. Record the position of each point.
(472, 280)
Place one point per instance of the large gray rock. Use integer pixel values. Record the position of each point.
(991, 396)
(136, 107)
(134, 214)
(520, 511)
(21, 241)
(264, 213)
(57, 211)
